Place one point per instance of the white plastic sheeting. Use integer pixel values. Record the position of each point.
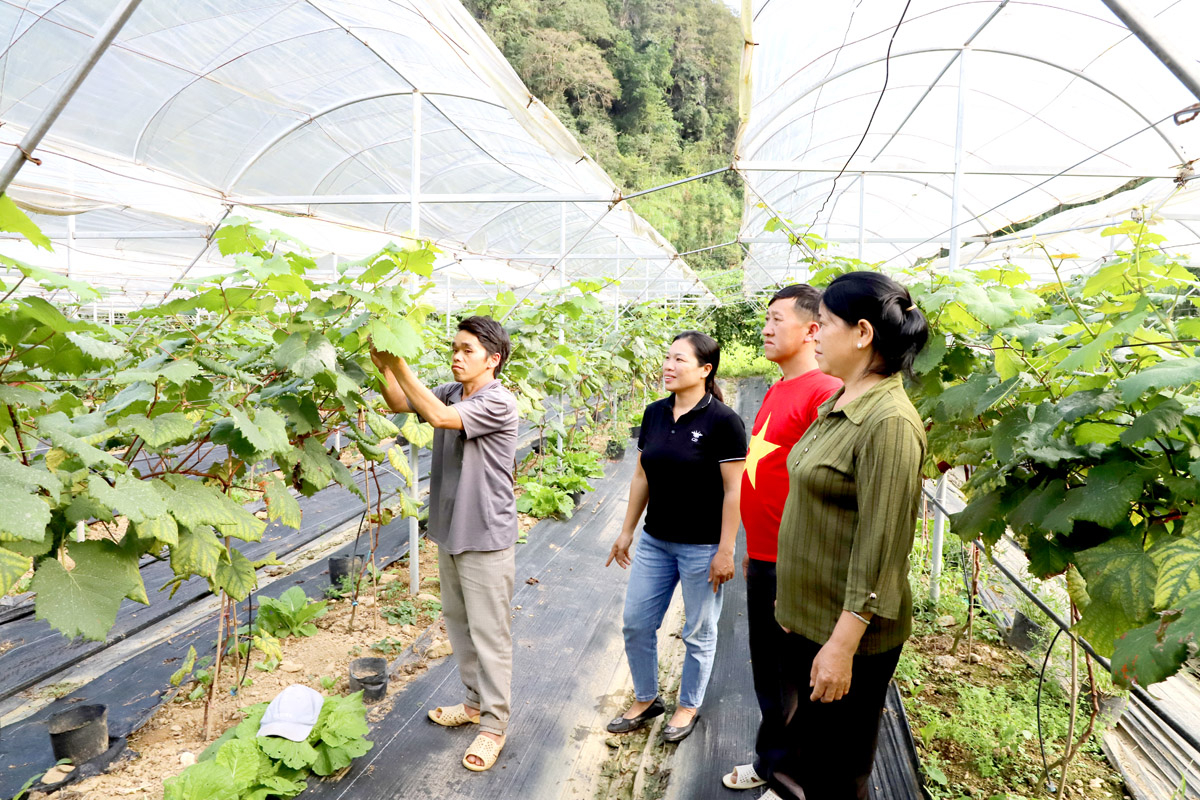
(315, 109)
(1061, 105)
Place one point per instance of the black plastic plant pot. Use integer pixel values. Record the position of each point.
(635, 431)
(1024, 633)
(614, 450)
(341, 566)
(79, 733)
(576, 497)
(370, 676)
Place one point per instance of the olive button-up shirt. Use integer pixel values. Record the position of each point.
(847, 528)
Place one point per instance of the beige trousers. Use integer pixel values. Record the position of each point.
(477, 590)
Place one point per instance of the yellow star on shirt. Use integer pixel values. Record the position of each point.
(759, 447)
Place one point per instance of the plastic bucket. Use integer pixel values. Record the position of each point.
(370, 676)
(341, 566)
(79, 733)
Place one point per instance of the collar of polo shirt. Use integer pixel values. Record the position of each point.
(702, 404)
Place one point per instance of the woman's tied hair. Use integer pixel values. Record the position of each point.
(901, 330)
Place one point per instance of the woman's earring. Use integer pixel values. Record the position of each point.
(859, 345)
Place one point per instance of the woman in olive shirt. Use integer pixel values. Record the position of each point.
(844, 540)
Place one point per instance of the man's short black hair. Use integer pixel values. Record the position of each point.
(808, 299)
(491, 335)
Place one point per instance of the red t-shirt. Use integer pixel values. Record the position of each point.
(788, 409)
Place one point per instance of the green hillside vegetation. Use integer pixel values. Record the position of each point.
(649, 89)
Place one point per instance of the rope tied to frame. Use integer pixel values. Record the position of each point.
(30, 157)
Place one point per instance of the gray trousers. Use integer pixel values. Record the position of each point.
(477, 590)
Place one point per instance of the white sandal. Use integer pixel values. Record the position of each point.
(486, 749)
(742, 777)
(452, 716)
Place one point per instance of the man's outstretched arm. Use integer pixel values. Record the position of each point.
(404, 393)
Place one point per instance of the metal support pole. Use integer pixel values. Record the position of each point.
(33, 137)
(414, 186)
(617, 292)
(956, 190)
(70, 244)
(935, 545)
(562, 253)
(414, 551)
(1145, 28)
(862, 213)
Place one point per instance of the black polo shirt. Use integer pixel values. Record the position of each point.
(682, 461)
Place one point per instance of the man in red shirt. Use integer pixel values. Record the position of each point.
(788, 409)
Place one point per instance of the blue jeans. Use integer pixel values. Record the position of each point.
(657, 567)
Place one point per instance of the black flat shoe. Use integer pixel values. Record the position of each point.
(623, 725)
(672, 734)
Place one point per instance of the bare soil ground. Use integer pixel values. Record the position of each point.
(175, 734)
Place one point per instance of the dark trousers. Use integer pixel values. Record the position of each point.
(766, 651)
(830, 747)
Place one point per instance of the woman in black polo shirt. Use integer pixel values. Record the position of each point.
(689, 472)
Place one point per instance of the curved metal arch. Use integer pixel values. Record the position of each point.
(994, 51)
(897, 134)
(200, 76)
(910, 178)
(366, 98)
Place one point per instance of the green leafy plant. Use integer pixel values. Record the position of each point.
(242, 765)
(543, 501)
(402, 613)
(290, 615)
(1077, 404)
(328, 682)
(389, 646)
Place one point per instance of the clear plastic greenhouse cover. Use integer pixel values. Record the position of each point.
(307, 108)
(1067, 127)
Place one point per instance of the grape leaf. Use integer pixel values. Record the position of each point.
(14, 220)
(178, 372)
(22, 516)
(95, 348)
(90, 456)
(306, 355)
(1111, 489)
(197, 553)
(1172, 373)
(193, 504)
(1156, 651)
(266, 433)
(84, 601)
(1120, 579)
(1178, 562)
(929, 357)
(158, 432)
(13, 567)
(162, 529)
(1088, 356)
(134, 498)
(1163, 417)
(417, 432)
(397, 336)
(399, 462)
(381, 426)
(235, 575)
(281, 505)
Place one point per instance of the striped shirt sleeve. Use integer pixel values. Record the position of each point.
(888, 474)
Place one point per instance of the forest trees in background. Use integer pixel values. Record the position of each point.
(649, 87)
